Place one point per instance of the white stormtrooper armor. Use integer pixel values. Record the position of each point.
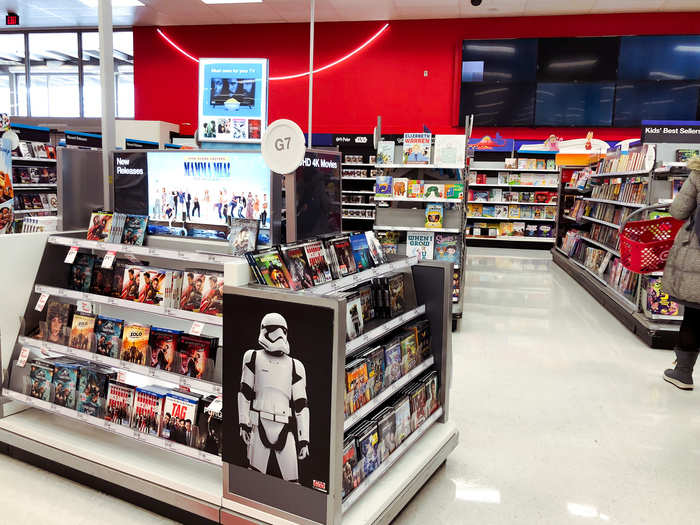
(272, 397)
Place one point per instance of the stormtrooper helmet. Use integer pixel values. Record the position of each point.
(273, 334)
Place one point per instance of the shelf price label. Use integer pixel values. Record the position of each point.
(41, 302)
(23, 355)
(185, 383)
(121, 376)
(84, 307)
(70, 256)
(196, 328)
(108, 259)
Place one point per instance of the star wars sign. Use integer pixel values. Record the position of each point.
(283, 146)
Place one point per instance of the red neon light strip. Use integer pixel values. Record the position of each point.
(298, 75)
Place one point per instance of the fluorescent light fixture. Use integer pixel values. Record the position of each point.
(115, 3)
(498, 50)
(573, 63)
(687, 49)
(232, 1)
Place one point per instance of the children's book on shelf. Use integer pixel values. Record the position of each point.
(450, 150)
(389, 241)
(545, 230)
(501, 211)
(400, 186)
(385, 152)
(416, 148)
(531, 230)
(511, 163)
(505, 229)
(414, 189)
(447, 247)
(513, 211)
(481, 195)
(518, 229)
(382, 187)
(434, 215)
(433, 190)
(474, 210)
(658, 301)
(454, 191)
(526, 212)
(488, 210)
(420, 244)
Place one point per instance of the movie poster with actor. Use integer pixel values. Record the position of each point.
(277, 371)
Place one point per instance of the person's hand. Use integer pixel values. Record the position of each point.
(304, 452)
(245, 436)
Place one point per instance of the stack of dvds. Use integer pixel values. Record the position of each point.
(372, 441)
(174, 414)
(375, 369)
(160, 348)
(195, 290)
(381, 298)
(315, 262)
(117, 228)
(34, 150)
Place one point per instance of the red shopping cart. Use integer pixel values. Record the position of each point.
(645, 244)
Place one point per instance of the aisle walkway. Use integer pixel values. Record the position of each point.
(562, 412)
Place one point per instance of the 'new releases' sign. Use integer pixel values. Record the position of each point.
(670, 131)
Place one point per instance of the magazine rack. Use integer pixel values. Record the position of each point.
(317, 338)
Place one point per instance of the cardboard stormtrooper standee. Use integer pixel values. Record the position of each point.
(272, 401)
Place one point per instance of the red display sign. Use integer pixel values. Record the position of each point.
(12, 19)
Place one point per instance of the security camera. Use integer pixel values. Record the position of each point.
(476, 3)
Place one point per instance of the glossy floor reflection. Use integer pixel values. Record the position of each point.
(562, 412)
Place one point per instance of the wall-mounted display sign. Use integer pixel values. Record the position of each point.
(671, 131)
(140, 144)
(232, 99)
(84, 140)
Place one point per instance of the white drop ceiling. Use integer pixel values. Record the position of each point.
(74, 13)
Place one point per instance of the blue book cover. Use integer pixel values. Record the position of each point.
(360, 251)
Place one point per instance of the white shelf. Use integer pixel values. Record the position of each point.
(361, 204)
(424, 166)
(518, 203)
(617, 203)
(145, 251)
(32, 159)
(383, 329)
(23, 212)
(131, 305)
(359, 191)
(385, 394)
(510, 219)
(517, 238)
(115, 428)
(620, 174)
(358, 218)
(345, 177)
(571, 218)
(363, 164)
(388, 462)
(660, 317)
(515, 170)
(416, 229)
(416, 199)
(561, 251)
(171, 377)
(37, 186)
(601, 245)
(518, 186)
(591, 219)
(357, 278)
(620, 297)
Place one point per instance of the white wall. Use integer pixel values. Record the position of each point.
(153, 130)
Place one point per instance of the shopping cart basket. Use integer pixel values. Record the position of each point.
(644, 245)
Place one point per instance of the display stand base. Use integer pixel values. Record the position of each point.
(177, 482)
(653, 333)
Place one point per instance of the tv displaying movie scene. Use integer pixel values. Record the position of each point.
(242, 90)
(208, 187)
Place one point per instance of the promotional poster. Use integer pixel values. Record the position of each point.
(208, 188)
(277, 363)
(232, 99)
(7, 195)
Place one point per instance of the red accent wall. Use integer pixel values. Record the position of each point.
(386, 78)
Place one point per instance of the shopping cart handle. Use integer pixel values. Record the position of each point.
(653, 207)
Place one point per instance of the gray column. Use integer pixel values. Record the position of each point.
(104, 15)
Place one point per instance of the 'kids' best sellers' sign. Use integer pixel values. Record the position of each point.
(232, 99)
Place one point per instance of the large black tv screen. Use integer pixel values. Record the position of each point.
(637, 101)
(574, 103)
(495, 104)
(660, 58)
(509, 60)
(581, 59)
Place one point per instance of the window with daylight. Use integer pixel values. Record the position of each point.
(13, 89)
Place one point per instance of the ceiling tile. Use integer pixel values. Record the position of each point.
(681, 5)
(622, 6)
(491, 8)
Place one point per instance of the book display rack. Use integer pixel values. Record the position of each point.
(514, 200)
(596, 201)
(358, 173)
(372, 413)
(420, 201)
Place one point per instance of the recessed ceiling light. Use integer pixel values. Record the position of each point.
(232, 1)
(115, 3)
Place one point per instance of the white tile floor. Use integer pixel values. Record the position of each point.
(562, 412)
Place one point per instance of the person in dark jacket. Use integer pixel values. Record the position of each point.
(681, 280)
